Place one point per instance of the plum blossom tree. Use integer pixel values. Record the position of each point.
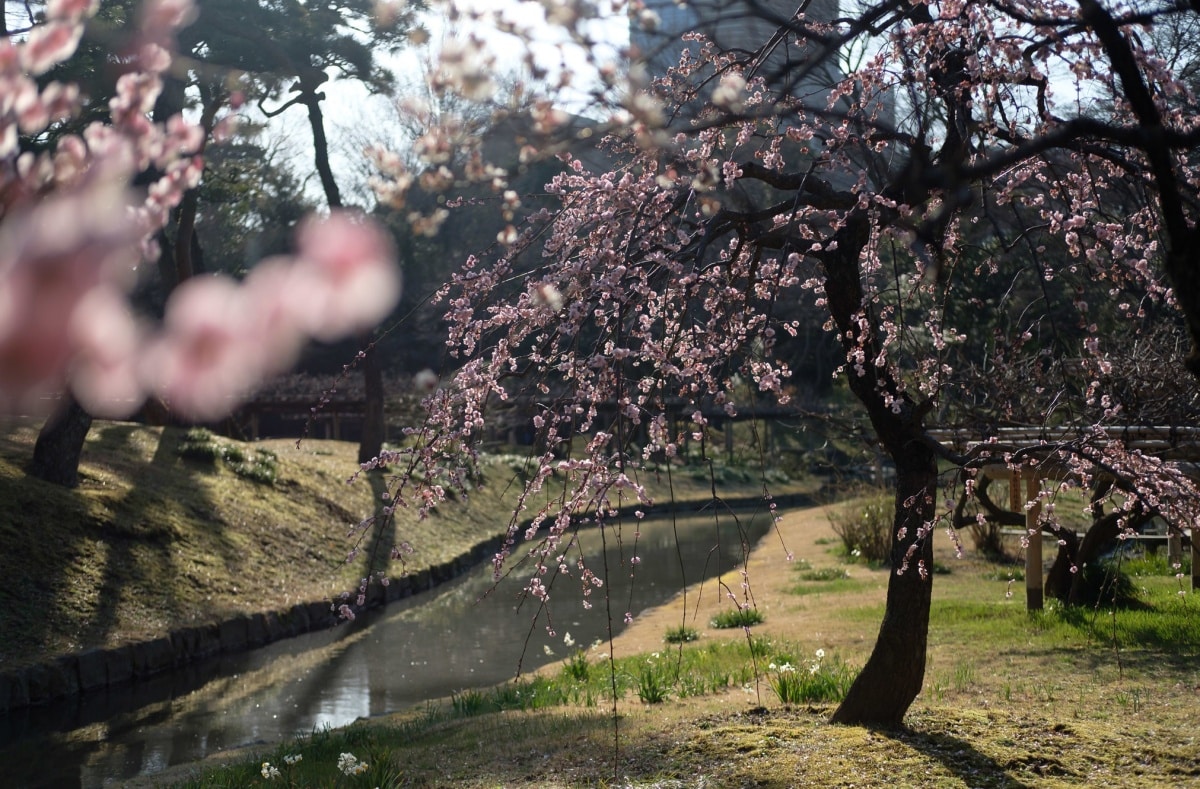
(981, 145)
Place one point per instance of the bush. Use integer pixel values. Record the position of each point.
(653, 683)
(1106, 583)
(738, 617)
(825, 574)
(681, 635)
(259, 465)
(200, 444)
(865, 528)
(577, 666)
(819, 681)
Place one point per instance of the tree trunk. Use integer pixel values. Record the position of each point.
(1061, 574)
(371, 443)
(1103, 531)
(316, 121)
(59, 445)
(893, 675)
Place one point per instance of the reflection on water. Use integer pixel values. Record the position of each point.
(466, 634)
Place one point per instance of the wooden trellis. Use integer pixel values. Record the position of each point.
(1179, 445)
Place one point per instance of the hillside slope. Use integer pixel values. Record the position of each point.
(152, 541)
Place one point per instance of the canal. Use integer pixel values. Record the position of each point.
(470, 633)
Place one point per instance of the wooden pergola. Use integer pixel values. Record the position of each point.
(1025, 480)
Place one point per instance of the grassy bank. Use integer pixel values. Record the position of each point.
(165, 532)
(1011, 699)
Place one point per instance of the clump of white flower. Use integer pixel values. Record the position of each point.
(269, 771)
(349, 764)
(729, 93)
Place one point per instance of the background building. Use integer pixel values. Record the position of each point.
(737, 25)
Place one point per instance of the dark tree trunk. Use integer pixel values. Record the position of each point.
(892, 678)
(1060, 576)
(1062, 582)
(371, 443)
(311, 98)
(188, 253)
(59, 445)
(988, 538)
(1103, 531)
(893, 675)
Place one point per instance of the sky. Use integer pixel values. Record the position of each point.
(349, 106)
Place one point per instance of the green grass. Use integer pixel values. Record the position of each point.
(825, 574)
(1010, 697)
(1152, 565)
(681, 635)
(826, 580)
(811, 679)
(651, 679)
(737, 617)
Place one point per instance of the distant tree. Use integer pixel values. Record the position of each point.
(250, 201)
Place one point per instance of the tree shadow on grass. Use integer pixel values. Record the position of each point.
(378, 553)
(974, 767)
(139, 555)
(73, 557)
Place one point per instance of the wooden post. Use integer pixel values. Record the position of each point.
(1033, 554)
(1016, 503)
(1195, 536)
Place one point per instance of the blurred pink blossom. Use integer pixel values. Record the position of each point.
(50, 259)
(49, 44)
(347, 278)
(206, 360)
(106, 342)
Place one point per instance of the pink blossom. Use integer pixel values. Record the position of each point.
(159, 18)
(49, 44)
(347, 275)
(50, 260)
(207, 359)
(107, 343)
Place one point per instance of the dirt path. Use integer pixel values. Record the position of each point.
(806, 619)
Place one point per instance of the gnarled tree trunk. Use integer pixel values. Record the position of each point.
(59, 445)
(891, 680)
(893, 675)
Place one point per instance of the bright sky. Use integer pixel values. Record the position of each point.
(350, 106)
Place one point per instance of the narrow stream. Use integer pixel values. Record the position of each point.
(459, 636)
